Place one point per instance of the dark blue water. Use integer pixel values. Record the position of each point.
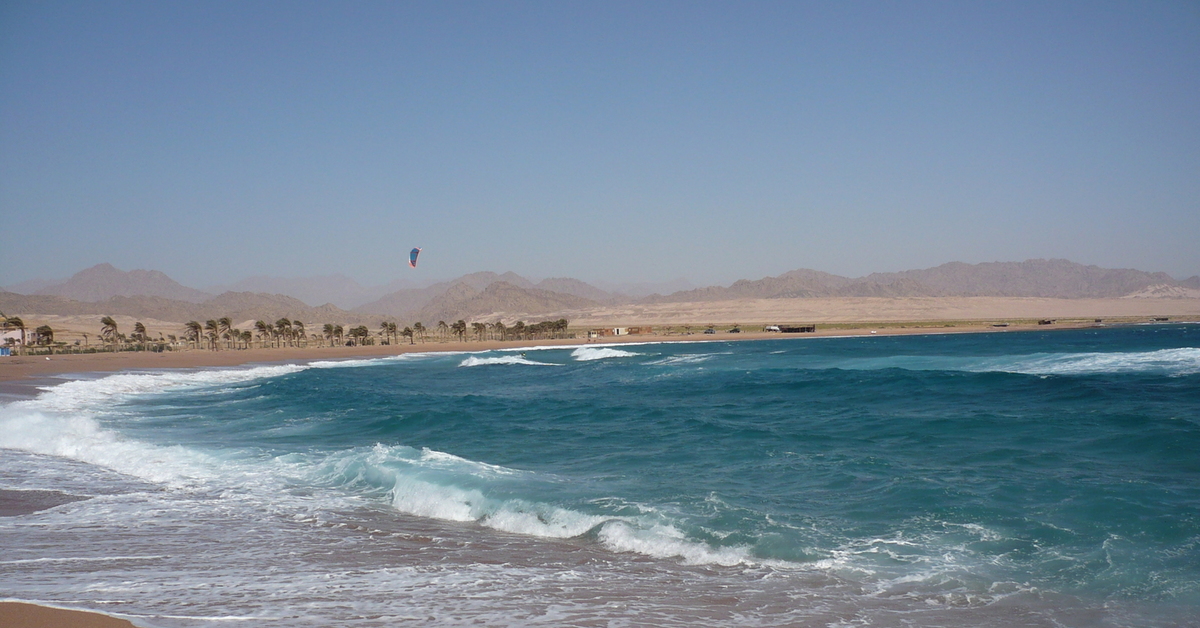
(984, 479)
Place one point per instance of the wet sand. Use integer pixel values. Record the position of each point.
(22, 615)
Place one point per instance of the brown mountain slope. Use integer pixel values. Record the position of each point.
(1032, 278)
(796, 283)
(567, 285)
(104, 281)
(407, 302)
(498, 301)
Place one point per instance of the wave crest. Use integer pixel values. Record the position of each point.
(586, 354)
(504, 359)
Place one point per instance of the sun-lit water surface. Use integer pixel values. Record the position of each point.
(1037, 479)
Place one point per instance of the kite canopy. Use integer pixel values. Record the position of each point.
(412, 257)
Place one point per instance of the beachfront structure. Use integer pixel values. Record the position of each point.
(611, 331)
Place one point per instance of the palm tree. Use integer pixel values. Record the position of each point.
(44, 335)
(193, 331)
(213, 331)
(139, 333)
(518, 330)
(419, 330)
(11, 322)
(459, 328)
(480, 330)
(226, 326)
(328, 332)
(360, 334)
(264, 332)
(408, 333)
(108, 330)
(390, 332)
(298, 330)
(443, 329)
(284, 327)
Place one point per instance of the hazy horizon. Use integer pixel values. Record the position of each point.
(617, 143)
(636, 289)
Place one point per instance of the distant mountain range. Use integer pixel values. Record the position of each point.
(1055, 278)
(103, 289)
(104, 281)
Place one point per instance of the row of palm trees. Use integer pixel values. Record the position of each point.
(220, 333)
(216, 334)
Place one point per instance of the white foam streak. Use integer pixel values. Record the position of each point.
(1176, 362)
(666, 541)
(585, 354)
(505, 360)
(97, 394)
(689, 358)
(82, 438)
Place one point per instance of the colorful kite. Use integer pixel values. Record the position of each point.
(412, 257)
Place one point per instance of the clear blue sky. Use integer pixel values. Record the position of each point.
(622, 141)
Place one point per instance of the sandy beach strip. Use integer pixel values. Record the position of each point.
(25, 615)
(13, 369)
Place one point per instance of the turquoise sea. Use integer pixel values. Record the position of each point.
(999, 479)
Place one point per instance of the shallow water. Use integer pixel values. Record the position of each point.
(1035, 479)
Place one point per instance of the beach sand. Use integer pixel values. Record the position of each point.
(22, 615)
(833, 316)
(16, 368)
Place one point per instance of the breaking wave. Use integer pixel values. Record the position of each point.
(504, 359)
(1175, 362)
(585, 354)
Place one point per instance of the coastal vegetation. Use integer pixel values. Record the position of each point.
(221, 334)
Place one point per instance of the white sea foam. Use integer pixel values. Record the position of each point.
(688, 358)
(585, 354)
(503, 359)
(80, 437)
(1175, 362)
(95, 394)
(667, 541)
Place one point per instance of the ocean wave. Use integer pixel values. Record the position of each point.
(438, 485)
(1170, 362)
(674, 360)
(1174, 362)
(81, 437)
(585, 354)
(504, 359)
(95, 394)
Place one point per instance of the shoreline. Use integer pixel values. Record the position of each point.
(16, 614)
(18, 372)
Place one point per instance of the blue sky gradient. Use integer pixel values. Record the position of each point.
(604, 141)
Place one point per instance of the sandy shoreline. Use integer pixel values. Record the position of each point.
(14, 369)
(25, 615)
